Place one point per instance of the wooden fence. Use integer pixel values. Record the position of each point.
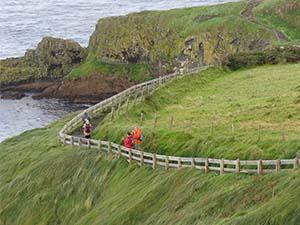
(157, 160)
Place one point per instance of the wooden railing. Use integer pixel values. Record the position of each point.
(157, 160)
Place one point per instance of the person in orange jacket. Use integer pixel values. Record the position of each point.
(136, 133)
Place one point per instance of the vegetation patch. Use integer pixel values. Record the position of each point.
(247, 114)
(135, 72)
(282, 54)
(281, 14)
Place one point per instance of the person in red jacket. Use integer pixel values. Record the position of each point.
(128, 140)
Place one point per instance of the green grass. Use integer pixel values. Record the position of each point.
(261, 103)
(137, 72)
(43, 182)
(281, 14)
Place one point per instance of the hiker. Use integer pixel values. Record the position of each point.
(137, 137)
(85, 117)
(87, 129)
(128, 140)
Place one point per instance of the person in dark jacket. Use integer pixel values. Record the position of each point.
(87, 129)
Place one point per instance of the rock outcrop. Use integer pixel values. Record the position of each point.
(53, 58)
(177, 39)
(56, 57)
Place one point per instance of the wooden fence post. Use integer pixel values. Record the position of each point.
(109, 148)
(259, 167)
(206, 166)
(127, 105)
(179, 163)
(154, 161)
(99, 146)
(237, 166)
(193, 163)
(79, 142)
(148, 90)
(71, 140)
(119, 151)
(259, 132)
(119, 107)
(135, 97)
(89, 143)
(278, 165)
(142, 96)
(296, 163)
(167, 163)
(155, 121)
(130, 156)
(112, 113)
(171, 122)
(142, 158)
(222, 167)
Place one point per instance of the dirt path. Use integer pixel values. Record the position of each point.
(248, 14)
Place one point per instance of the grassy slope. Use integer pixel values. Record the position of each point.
(265, 96)
(137, 72)
(43, 182)
(281, 14)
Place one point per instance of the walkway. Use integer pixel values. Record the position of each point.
(155, 160)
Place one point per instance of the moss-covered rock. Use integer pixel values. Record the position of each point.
(53, 57)
(178, 38)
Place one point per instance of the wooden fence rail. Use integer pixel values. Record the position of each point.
(152, 159)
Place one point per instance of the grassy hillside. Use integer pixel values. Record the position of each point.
(281, 14)
(168, 39)
(136, 72)
(247, 114)
(43, 182)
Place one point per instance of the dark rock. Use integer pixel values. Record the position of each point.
(11, 95)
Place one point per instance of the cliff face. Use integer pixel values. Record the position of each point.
(178, 38)
(53, 58)
(140, 46)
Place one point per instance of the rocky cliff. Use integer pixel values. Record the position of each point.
(178, 38)
(53, 58)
